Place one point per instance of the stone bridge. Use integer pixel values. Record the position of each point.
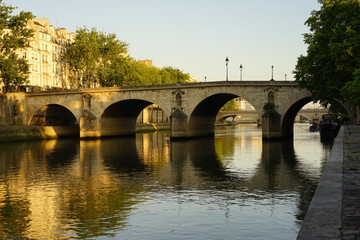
(191, 107)
(312, 115)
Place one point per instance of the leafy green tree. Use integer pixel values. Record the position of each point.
(140, 74)
(143, 75)
(331, 67)
(351, 90)
(14, 35)
(99, 59)
(91, 56)
(134, 73)
(173, 75)
(114, 73)
(230, 106)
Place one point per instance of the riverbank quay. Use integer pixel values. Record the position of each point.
(25, 133)
(334, 212)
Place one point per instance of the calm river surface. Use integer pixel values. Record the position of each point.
(232, 187)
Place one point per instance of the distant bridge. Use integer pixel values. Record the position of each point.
(191, 107)
(313, 115)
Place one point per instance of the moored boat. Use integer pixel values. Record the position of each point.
(329, 125)
(314, 127)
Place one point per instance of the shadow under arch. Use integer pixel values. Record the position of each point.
(203, 117)
(55, 121)
(120, 118)
(53, 115)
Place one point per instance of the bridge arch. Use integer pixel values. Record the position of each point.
(119, 118)
(203, 117)
(287, 127)
(53, 115)
(288, 120)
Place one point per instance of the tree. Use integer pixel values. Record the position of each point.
(91, 56)
(173, 75)
(332, 62)
(351, 90)
(14, 35)
(99, 59)
(230, 106)
(140, 74)
(114, 73)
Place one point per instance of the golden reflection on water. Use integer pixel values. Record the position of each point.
(65, 189)
(48, 188)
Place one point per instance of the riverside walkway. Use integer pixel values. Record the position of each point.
(334, 212)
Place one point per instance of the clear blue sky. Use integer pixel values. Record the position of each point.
(194, 35)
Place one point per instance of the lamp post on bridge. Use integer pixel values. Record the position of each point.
(227, 68)
(272, 73)
(241, 68)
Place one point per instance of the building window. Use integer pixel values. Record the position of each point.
(44, 59)
(34, 56)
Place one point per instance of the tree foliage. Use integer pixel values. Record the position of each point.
(99, 59)
(90, 56)
(332, 62)
(13, 35)
(230, 106)
(351, 90)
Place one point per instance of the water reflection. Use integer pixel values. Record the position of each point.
(27, 194)
(121, 155)
(196, 162)
(65, 189)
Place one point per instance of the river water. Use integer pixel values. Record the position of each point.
(234, 186)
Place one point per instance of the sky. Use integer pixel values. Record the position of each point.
(194, 36)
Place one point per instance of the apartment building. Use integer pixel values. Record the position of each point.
(43, 55)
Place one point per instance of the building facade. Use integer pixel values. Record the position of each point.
(43, 54)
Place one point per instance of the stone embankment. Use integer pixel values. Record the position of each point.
(334, 212)
(21, 133)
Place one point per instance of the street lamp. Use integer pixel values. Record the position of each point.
(227, 68)
(272, 72)
(241, 68)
